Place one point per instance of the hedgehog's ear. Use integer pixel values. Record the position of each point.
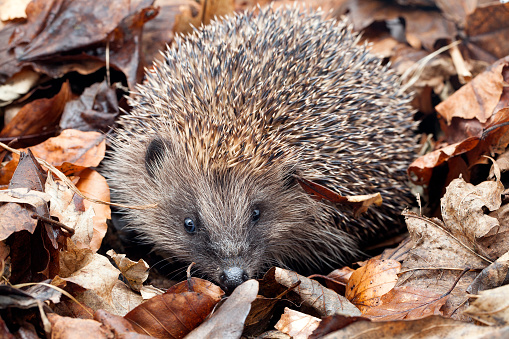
(156, 150)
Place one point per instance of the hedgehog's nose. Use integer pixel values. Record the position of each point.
(233, 277)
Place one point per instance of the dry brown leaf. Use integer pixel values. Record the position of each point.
(477, 99)
(34, 257)
(196, 15)
(296, 324)
(368, 283)
(198, 285)
(65, 327)
(228, 320)
(442, 250)
(262, 311)
(94, 185)
(321, 299)
(82, 149)
(487, 28)
(492, 276)
(217, 8)
(491, 307)
(421, 170)
(336, 280)
(39, 115)
(95, 109)
(170, 314)
(341, 275)
(178, 311)
(70, 212)
(135, 272)
(92, 272)
(430, 327)
(463, 213)
(407, 303)
(71, 152)
(15, 217)
(423, 28)
(50, 43)
(124, 299)
(149, 291)
(359, 203)
(113, 323)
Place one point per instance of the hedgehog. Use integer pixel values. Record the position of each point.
(222, 131)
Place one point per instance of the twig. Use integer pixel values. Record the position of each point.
(53, 223)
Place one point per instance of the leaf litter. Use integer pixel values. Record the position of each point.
(61, 88)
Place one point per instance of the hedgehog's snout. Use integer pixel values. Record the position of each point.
(232, 277)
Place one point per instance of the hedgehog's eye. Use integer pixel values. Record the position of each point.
(255, 216)
(189, 225)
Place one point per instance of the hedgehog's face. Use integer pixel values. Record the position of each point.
(230, 222)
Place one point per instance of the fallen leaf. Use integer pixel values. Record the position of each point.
(463, 213)
(407, 303)
(421, 170)
(370, 282)
(17, 85)
(491, 307)
(171, 314)
(321, 299)
(55, 41)
(135, 272)
(65, 327)
(442, 250)
(95, 109)
(94, 185)
(70, 212)
(486, 28)
(38, 115)
(494, 275)
(90, 271)
(15, 217)
(296, 324)
(430, 327)
(228, 320)
(359, 203)
(477, 99)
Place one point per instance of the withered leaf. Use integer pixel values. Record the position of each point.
(95, 110)
(443, 249)
(199, 286)
(491, 307)
(94, 185)
(359, 203)
(430, 327)
(421, 170)
(477, 99)
(135, 272)
(486, 27)
(71, 152)
(65, 327)
(228, 320)
(296, 324)
(171, 314)
(61, 36)
(407, 302)
(39, 115)
(463, 213)
(370, 282)
(494, 275)
(321, 299)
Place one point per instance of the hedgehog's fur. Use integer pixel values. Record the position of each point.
(234, 114)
